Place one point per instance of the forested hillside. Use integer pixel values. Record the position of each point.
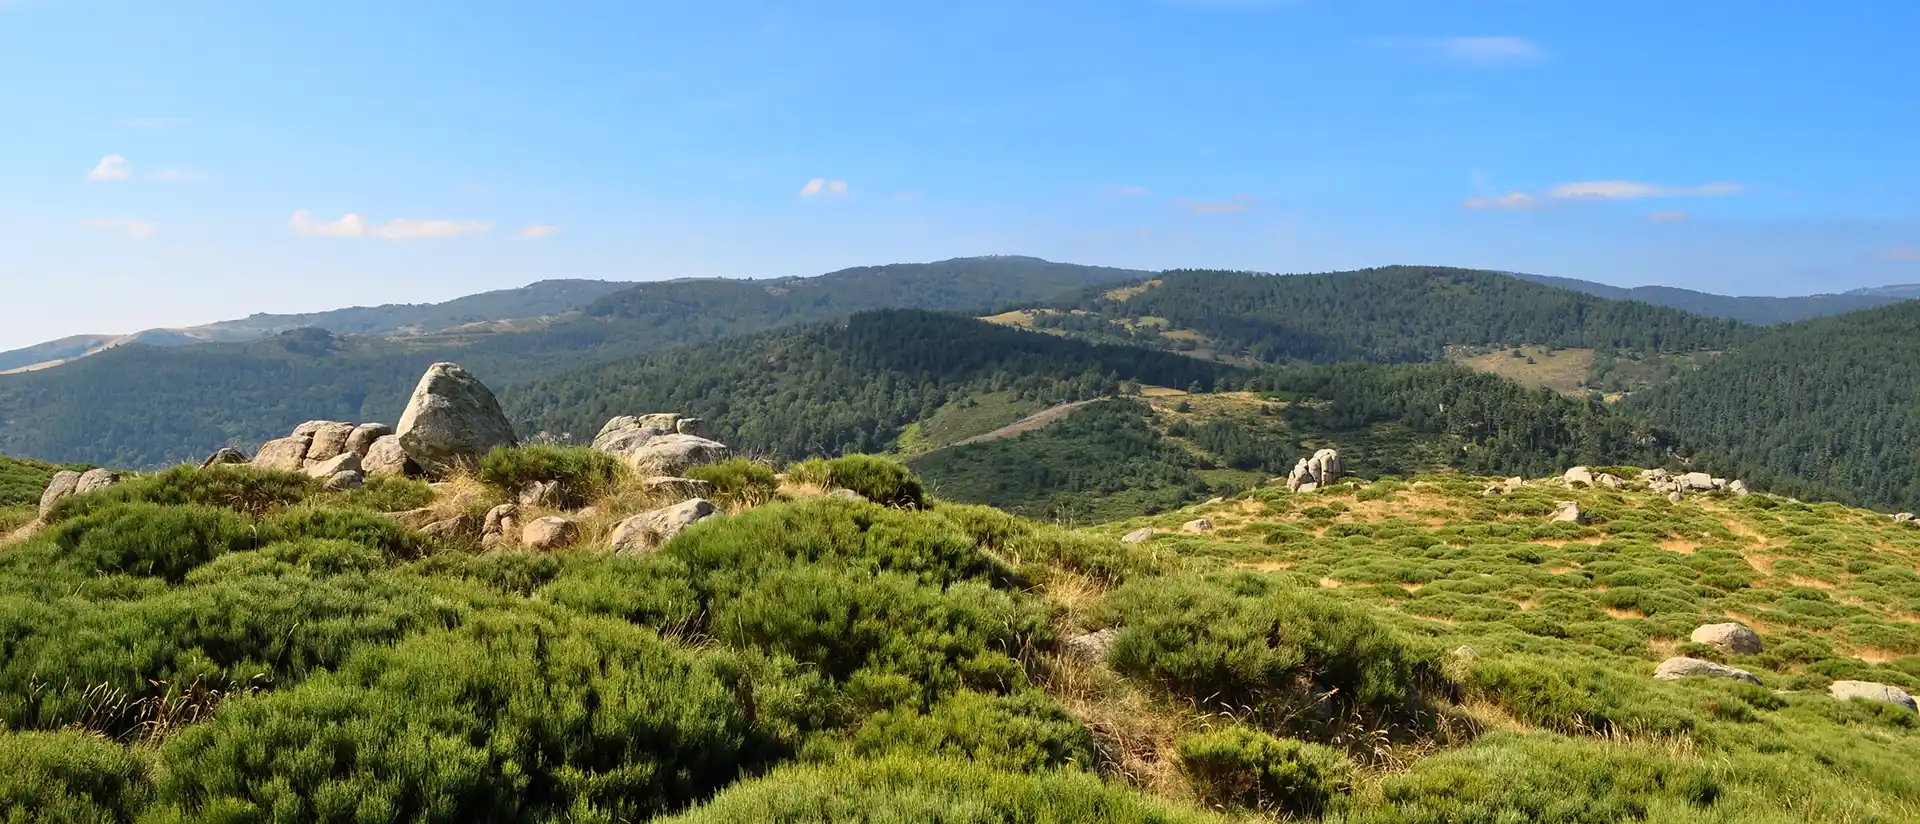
(146, 406)
(827, 388)
(1756, 310)
(1390, 315)
(1828, 407)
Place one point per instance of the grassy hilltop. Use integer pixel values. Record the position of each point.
(234, 645)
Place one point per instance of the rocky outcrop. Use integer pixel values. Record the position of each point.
(1698, 482)
(1729, 637)
(541, 494)
(224, 456)
(94, 480)
(455, 528)
(1606, 481)
(1578, 476)
(501, 527)
(682, 486)
(549, 533)
(360, 441)
(1674, 669)
(647, 531)
(61, 487)
(452, 420)
(1568, 512)
(343, 462)
(1137, 536)
(1320, 470)
(1870, 691)
(344, 480)
(284, 455)
(1198, 525)
(416, 518)
(658, 444)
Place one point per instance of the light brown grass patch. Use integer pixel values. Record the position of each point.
(1622, 614)
(1329, 583)
(1680, 545)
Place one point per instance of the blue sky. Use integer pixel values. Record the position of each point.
(167, 164)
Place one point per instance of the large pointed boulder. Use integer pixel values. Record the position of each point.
(451, 421)
(62, 486)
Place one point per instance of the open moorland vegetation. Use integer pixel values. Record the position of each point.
(233, 644)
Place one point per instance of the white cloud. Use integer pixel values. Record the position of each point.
(540, 230)
(1673, 216)
(111, 167)
(1636, 190)
(175, 176)
(400, 228)
(125, 225)
(1511, 201)
(1489, 51)
(1123, 191)
(1904, 254)
(1232, 205)
(822, 186)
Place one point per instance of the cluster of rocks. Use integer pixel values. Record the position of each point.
(658, 446)
(1319, 471)
(66, 483)
(1585, 476)
(1677, 487)
(450, 422)
(1736, 639)
(1906, 518)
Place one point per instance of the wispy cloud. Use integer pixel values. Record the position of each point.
(1904, 254)
(1123, 191)
(1512, 201)
(1489, 51)
(110, 168)
(1671, 216)
(1232, 205)
(130, 227)
(1597, 190)
(540, 230)
(353, 225)
(820, 186)
(175, 176)
(1636, 190)
(152, 123)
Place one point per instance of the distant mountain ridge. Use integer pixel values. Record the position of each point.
(1763, 311)
(535, 300)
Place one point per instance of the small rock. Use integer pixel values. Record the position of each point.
(1739, 488)
(846, 495)
(285, 455)
(1137, 536)
(1610, 481)
(1198, 525)
(1719, 484)
(1496, 489)
(498, 516)
(341, 462)
(1514, 484)
(1215, 501)
(1578, 476)
(386, 456)
(679, 485)
(688, 426)
(329, 439)
(361, 441)
(541, 493)
(648, 531)
(1093, 646)
(1728, 637)
(344, 480)
(1568, 512)
(60, 487)
(1308, 487)
(454, 528)
(94, 480)
(225, 455)
(1903, 518)
(1676, 497)
(1654, 476)
(1870, 691)
(1674, 669)
(674, 454)
(549, 533)
(1696, 482)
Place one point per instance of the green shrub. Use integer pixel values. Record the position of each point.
(738, 481)
(1541, 778)
(390, 493)
(1023, 732)
(904, 789)
(70, 777)
(1253, 641)
(240, 488)
(14, 517)
(584, 474)
(881, 480)
(1580, 697)
(359, 526)
(152, 540)
(1248, 768)
(510, 718)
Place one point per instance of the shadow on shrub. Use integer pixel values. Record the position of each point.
(883, 481)
(583, 474)
(239, 488)
(70, 777)
(152, 540)
(737, 481)
(359, 526)
(1239, 767)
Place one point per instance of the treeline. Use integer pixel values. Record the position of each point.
(830, 388)
(1825, 408)
(1401, 314)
